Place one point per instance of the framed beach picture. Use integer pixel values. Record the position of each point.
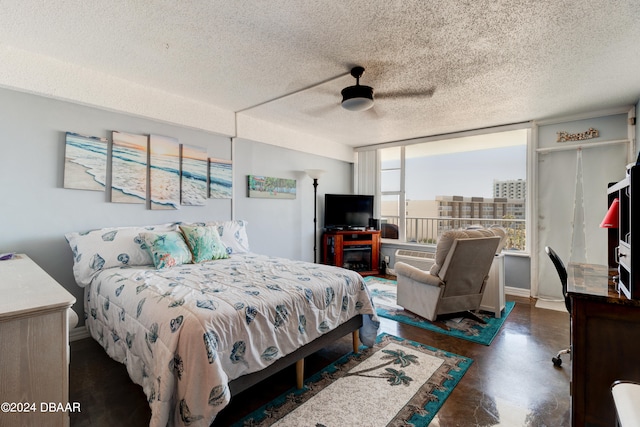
(164, 172)
(128, 168)
(271, 188)
(193, 183)
(220, 179)
(85, 162)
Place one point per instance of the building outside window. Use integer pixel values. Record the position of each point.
(431, 187)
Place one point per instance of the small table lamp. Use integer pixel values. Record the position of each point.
(611, 218)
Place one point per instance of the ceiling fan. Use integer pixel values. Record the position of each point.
(360, 97)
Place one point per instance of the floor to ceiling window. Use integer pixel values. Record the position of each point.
(391, 191)
(430, 187)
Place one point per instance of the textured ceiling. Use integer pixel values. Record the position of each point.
(484, 62)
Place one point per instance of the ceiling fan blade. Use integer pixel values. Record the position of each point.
(428, 93)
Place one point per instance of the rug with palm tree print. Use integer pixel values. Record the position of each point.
(397, 382)
(383, 292)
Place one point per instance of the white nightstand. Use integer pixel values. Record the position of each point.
(34, 333)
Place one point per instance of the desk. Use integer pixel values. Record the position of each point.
(605, 341)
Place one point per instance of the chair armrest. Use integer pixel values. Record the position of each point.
(416, 274)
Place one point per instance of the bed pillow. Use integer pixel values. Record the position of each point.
(167, 249)
(96, 250)
(204, 242)
(234, 235)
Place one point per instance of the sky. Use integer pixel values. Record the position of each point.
(468, 174)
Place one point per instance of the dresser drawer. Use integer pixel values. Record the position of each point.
(624, 256)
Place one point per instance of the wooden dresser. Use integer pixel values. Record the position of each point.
(34, 346)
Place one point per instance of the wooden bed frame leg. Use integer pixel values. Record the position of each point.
(356, 341)
(300, 374)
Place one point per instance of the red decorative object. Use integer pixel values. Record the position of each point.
(611, 218)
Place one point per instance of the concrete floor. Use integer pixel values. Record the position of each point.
(512, 382)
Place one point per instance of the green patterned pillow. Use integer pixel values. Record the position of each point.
(166, 249)
(204, 242)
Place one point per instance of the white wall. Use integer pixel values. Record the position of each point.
(278, 226)
(36, 211)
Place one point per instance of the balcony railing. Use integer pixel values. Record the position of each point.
(428, 230)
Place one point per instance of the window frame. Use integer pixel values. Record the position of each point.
(402, 216)
(402, 194)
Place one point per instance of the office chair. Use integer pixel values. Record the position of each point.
(562, 273)
(389, 231)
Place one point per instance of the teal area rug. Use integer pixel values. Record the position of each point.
(383, 292)
(397, 382)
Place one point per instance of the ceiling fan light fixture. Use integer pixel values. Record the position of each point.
(357, 98)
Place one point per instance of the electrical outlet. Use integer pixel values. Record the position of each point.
(386, 259)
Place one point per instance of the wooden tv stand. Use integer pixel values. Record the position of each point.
(352, 249)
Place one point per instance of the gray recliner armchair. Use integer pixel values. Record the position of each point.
(456, 281)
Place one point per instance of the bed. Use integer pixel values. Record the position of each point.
(192, 331)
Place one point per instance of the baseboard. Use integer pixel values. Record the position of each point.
(517, 292)
(78, 333)
(557, 305)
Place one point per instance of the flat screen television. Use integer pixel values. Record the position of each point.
(347, 211)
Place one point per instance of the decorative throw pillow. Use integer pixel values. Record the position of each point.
(167, 249)
(97, 250)
(204, 242)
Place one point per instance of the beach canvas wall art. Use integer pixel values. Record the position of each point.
(128, 168)
(220, 179)
(271, 188)
(164, 172)
(85, 162)
(193, 184)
